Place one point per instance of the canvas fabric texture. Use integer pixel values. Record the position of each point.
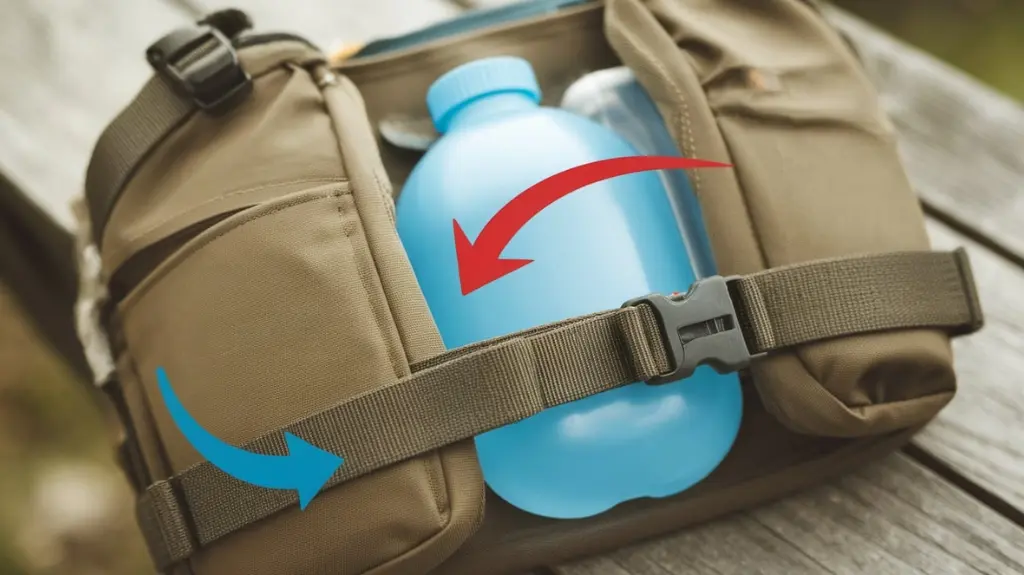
(253, 254)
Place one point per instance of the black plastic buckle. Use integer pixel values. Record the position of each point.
(203, 65)
(698, 328)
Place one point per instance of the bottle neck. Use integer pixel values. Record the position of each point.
(488, 107)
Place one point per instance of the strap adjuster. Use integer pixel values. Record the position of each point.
(202, 64)
(699, 327)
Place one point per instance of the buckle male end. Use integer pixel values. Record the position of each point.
(699, 327)
(201, 63)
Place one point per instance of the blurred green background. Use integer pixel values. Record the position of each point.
(983, 37)
(64, 507)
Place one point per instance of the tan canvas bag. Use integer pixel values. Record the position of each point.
(243, 209)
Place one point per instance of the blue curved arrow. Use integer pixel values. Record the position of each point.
(305, 469)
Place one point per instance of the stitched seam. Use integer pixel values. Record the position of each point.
(688, 130)
(221, 197)
(336, 129)
(444, 512)
(201, 242)
(677, 92)
(441, 501)
(351, 232)
(388, 199)
(364, 281)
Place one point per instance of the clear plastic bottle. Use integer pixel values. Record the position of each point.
(614, 99)
(593, 250)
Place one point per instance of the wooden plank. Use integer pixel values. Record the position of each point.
(69, 65)
(961, 141)
(894, 517)
(979, 433)
(39, 270)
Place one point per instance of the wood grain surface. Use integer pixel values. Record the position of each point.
(961, 141)
(69, 66)
(963, 146)
(894, 517)
(981, 432)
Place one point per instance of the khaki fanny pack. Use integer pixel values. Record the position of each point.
(243, 208)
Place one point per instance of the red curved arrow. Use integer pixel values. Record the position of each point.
(480, 262)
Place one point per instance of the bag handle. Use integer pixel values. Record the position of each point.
(724, 322)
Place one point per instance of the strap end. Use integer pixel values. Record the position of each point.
(977, 316)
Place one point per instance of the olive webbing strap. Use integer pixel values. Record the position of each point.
(467, 391)
(460, 396)
(791, 305)
(155, 112)
(196, 68)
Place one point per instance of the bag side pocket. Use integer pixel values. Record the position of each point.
(263, 318)
(771, 89)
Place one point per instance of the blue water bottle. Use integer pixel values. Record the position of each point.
(592, 250)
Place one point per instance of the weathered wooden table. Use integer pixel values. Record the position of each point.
(952, 502)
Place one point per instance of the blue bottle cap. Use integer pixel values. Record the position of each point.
(470, 81)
